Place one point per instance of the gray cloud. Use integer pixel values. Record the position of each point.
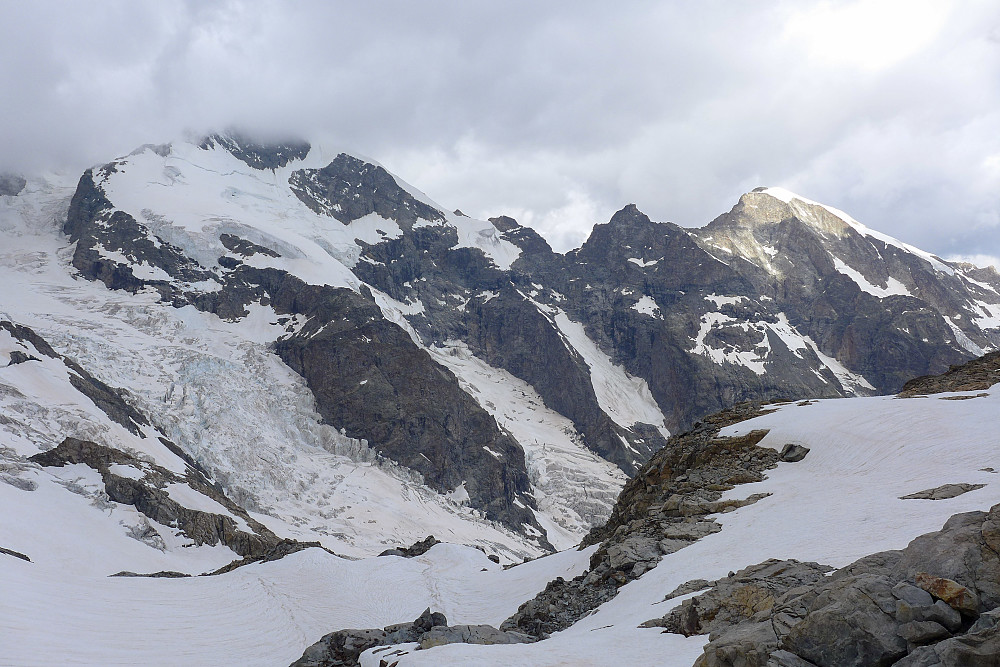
(558, 115)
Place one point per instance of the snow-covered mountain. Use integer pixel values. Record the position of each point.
(266, 360)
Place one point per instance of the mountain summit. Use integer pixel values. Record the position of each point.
(270, 363)
(381, 299)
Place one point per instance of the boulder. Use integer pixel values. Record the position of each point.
(922, 632)
(343, 648)
(792, 453)
(750, 645)
(975, 649)
(853, 627)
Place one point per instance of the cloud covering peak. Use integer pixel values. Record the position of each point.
(557, 116)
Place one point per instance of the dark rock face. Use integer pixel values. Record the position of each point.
(349, 188)
(243, 247)
(149, 496)
(918, 606)
(256, 154)
(662, 509)
(107, 398)
(94, 224)
(11, 185)
(371, 379)
(27, 335)
(18, 357)
(15, 554)
(344, 647)
(792, 453)
(510, 332)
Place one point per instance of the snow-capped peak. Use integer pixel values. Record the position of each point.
(795, 201)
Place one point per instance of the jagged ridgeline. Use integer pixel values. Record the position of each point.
(387, 300)
(224, 362)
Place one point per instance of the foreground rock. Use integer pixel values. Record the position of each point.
(742, 596)
(345, 647)
(936, 602)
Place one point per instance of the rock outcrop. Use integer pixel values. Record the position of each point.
(11, 185)
(936, 602)
(258, 154)
(664, 508)
(414, 550)
(977, 374)
(149, 495)
(349, 188)
(942, 492)
(344, 647)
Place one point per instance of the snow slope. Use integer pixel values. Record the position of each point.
(263, 614)
(838, 504)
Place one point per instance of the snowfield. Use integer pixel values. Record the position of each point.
(838, 504)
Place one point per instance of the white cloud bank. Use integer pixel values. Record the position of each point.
(558, 116)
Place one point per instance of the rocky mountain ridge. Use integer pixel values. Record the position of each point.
(226, 354)
(779, 298)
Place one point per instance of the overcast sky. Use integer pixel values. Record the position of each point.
(555, 113)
